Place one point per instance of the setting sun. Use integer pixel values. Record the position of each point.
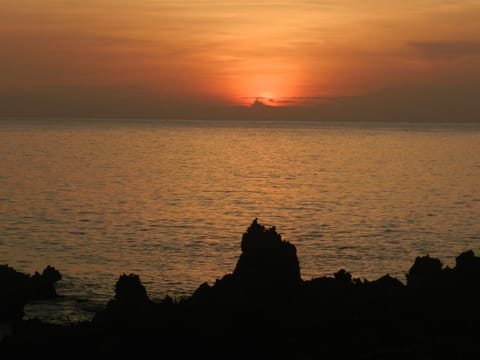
(271, 89)
(176, 59)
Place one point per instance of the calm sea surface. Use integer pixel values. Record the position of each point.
(170, 200)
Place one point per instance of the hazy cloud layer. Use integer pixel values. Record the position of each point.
(447, 49)
(296, 53)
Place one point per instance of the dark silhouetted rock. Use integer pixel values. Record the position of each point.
(264, 310)
(130, 310)
(468, 264)
(266, 259)
(266, 275)
(14, 293)
(130, 290)
(426, 271)
(388, 285)
(130, 296)
(17, 289)
(50, 274)
(343, 276)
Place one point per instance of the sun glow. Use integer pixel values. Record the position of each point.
(168, 58)
(271, 83)
(267, 89)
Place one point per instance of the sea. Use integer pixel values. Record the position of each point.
(169, 200)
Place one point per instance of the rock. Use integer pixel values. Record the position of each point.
(17, 289)
(425, 272)
(129, 289)
(267, 260)
(130, 296)
(468, 264)
(50, 274)
(267, 275)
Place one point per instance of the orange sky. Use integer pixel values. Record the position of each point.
(230, 52)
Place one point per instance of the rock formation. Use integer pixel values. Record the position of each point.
(17, 289)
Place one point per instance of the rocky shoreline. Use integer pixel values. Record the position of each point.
(18, 289)
(264, 309)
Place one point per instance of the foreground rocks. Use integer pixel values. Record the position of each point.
(263, 310)
(17, 289)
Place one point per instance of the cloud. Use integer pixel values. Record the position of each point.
(446, 49)
(291, 100)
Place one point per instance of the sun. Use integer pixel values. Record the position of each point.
(273, 88)
(268, 90)
(269, 98)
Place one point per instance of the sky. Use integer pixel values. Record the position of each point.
(231, 58)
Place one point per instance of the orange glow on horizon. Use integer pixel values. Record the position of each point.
(164, 56)
(271, 89)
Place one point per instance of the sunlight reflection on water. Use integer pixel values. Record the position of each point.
(170, 200)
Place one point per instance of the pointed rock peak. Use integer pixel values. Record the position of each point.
(266, 257)
(129, 289)
(259, 237)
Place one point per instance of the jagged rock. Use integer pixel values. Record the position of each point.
(266, 259)
(424, 272)
(266, 274)
(129, 289)
(343, 276)
(332, 317)
(43, 284)
(51, 274)
(387, 284)
(468, 264)
(130, 296)
(17, 289)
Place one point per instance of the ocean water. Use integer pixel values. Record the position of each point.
(170, 200)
